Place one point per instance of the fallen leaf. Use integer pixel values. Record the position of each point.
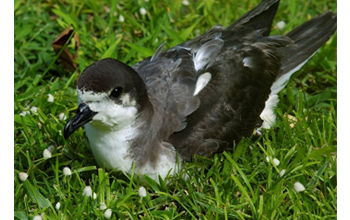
(68, 59)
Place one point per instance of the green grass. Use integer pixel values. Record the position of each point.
(238, 184)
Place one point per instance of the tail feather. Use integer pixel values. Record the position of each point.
(307, 38)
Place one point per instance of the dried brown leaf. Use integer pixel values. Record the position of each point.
(68, 59)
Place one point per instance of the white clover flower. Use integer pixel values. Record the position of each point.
(298, 187)
(282, 172)
(94, 196)
(24, 113)
(292, 120)
(47, 154)
(62, 116)
(34, 109)
(87, 191)
(102, 206)
(51, 148)
(142, 192)
(23, 176)
(58, 206)
(185, 2)
(67, 171)
(276, 161)
(40, 125)
(258, 132)
(143, 11)
(108, 213)
(268, 159)
(280, 25)
(121, 18)
(37, 217)
(51, 98)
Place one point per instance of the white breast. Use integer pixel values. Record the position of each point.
(111, 148)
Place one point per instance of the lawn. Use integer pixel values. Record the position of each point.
(242, 183)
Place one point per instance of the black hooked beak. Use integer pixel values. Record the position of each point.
(84, 115)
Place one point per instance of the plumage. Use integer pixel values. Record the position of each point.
(195, 98)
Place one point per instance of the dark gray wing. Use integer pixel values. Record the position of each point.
(243, 64)
(170, 80)
(230, 105)
(259, 18)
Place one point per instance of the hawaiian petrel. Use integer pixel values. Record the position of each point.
(195, 98)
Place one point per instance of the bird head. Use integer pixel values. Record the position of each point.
(110, 95)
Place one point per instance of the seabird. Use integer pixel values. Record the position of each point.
(195, 98)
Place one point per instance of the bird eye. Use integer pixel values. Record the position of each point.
(116, 92)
